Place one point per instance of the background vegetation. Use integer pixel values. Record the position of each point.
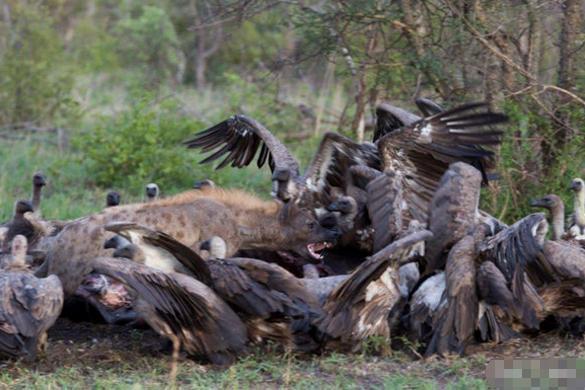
(98, 94)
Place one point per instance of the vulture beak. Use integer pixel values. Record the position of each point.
(334, 207)
(537, 203)
(205, 245)
(575, 185)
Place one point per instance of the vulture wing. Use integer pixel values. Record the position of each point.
(455, 329)
(428, 107)
(360, 305)
(454, 210)
(237, 140)
(205, 325)
(418, 155)
(28, 308)
(330, 167)
(390, 118)
(185, 255)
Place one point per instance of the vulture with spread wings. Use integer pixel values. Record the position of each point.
(412, 152)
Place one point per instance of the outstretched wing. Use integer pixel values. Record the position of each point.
(418, 155)
(238, 139)
(428, 107)
(390, 118)
(330, 167)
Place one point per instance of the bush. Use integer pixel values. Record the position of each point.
(140, 145)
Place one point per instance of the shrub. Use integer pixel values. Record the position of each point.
(140, 145)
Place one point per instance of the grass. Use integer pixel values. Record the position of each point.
(100, 356)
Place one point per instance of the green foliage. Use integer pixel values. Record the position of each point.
(149, 44)
(140, 145)
(522, 173)
(35, 76)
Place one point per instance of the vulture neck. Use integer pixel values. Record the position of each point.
(558, 221)
(36, 198)
(579, 207)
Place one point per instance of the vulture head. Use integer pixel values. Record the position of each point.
(346, 205)
(549, 202)
(112, 199)
(577, 185)
(216, 247)
(152, 191)
(39, 180)
(116, 242)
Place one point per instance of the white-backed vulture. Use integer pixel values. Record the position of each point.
(359, 307)
(28, 306)
(39, 181)
(416, 157)
(266, 296)
(112, 199)
(152, 192)
(454, 212)
(180, 308)
(456, 322)
(516, 250)
(577, 222)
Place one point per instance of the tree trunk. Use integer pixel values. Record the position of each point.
(567, 64)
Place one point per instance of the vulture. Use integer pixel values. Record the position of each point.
(19, 224)
(556, 208)
(39, 181)
(239, 138)
(453, 211)
(359, 307)
(415, 158)
(200, 184)
(554, 204)
(267, 297)
(517, 253)
(112, 199)
(176, 305)
(29, 306)
(181, 309)
(424, 302)
(152, 192)
(577, 222)
(456, 321)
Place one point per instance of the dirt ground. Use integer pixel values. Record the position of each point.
(82, 355)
